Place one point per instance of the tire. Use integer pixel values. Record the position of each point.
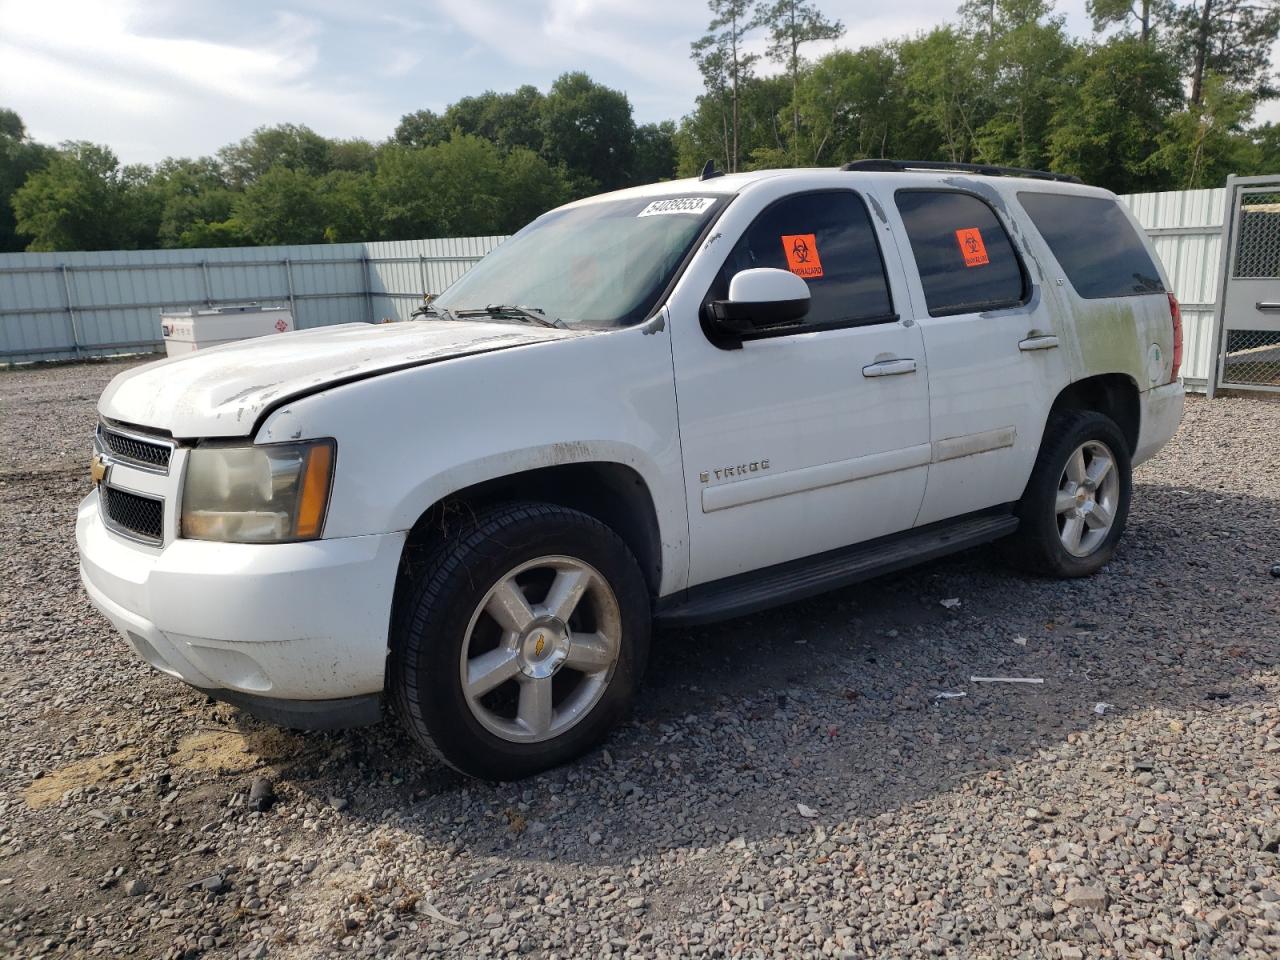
(1048, 526)
(558, 685)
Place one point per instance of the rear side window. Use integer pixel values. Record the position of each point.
(965, 258)
(827, 239)
(1095, 243)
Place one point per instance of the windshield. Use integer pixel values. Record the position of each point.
(599, 265)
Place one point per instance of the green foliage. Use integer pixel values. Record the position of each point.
(1205, 143)
(1164, 99)
(1230, 38)
(589, 131)
(282, 205)
(465, 186)
(944, 95)
(791, 24)
(851, 105)
(289, 145)
(655, 152)
(19, 158)
(1116, 101)
(82, 200)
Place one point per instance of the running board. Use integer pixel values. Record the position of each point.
(787, 582)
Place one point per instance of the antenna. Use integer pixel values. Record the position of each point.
(709, 172)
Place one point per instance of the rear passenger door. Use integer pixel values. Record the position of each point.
(993, 350)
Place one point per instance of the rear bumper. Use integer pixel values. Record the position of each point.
(1161, 414)
(249, 623)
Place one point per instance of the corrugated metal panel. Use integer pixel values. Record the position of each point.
(117, 296)
(89, 303)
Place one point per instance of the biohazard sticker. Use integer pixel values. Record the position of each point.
(802, 255)
(971, 245)
(694, 205)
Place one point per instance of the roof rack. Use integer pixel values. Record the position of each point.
(982, 169)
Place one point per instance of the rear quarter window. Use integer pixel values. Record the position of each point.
(1100, 252)
(966, 260)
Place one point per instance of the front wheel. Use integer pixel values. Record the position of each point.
(1077, 500)
(523, 641)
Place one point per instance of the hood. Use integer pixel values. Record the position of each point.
(221, 391)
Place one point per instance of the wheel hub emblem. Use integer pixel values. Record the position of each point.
(538, 645)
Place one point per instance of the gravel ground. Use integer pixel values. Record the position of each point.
(790, 785)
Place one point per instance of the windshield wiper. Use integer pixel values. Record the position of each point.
(428, 311)
(514, 312)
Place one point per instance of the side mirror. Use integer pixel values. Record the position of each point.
(760, 300)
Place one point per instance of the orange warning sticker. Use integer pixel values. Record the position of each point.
(802, 255)
(971, 245)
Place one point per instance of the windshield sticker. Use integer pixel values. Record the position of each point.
(694, 205)
(802, 255)
(972, 247)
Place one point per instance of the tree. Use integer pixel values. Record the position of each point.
(349, 206)
(792, 23)
(654, 152)
(851, 103)
(944, 94)
(422, 128)
(1266, 147)
(724, 64)
(1232, 38)
(528, 187)
(19, 158)
(1115, 102)
(189, 193)
(1023, 53)
(288, 145)
(463, 187)
(1205, 143)
(80, 200)
(283, 205)
(589, 131)
(507, 119)
(1142, 13)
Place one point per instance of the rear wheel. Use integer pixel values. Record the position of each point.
(1077, 500)
(523, 641)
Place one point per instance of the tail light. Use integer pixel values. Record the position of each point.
(1175, 312)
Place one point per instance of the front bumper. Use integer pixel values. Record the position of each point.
(254, 624)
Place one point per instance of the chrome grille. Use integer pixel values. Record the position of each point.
(139, 451)
(133, 515)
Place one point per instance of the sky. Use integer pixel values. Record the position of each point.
(158, 78)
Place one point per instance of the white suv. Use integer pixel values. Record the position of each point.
(675, 403)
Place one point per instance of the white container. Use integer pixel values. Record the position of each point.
(187, 330)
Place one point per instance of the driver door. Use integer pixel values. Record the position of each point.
(814, 437)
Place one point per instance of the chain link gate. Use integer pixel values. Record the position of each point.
(1248, 318)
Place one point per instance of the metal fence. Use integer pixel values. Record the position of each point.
(1186, 227)
(1247, 336)
(65, 305)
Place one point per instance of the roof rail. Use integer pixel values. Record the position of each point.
(982, 169)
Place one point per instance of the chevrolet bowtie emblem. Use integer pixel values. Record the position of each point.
(97, 469)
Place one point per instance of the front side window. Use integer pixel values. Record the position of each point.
(599, 265)
(966, 260)
(1095, 243)
(827, 239)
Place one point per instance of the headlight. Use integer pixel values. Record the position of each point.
(261, 494)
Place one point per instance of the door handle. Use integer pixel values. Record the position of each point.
(889, 368)
(1038, 343)
(1266, 305)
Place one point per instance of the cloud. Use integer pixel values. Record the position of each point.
(88, 70)
(153, 78)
